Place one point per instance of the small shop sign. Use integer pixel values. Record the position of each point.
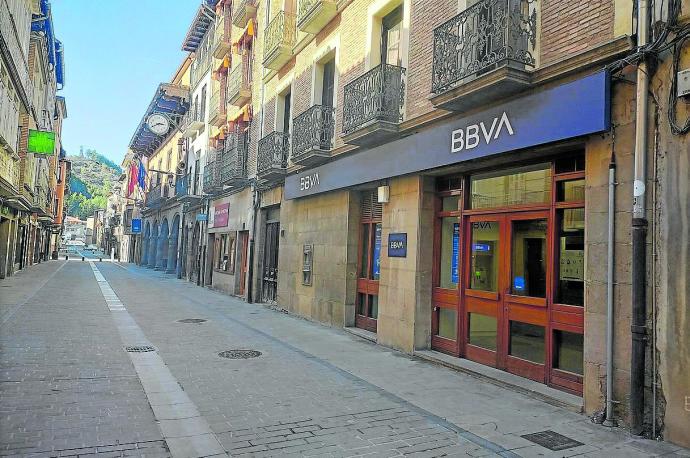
(397, 245)
(201, 217)
(220, 215)
(136, 226)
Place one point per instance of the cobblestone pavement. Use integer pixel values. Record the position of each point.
(68, 387)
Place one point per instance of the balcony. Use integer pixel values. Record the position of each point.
(483, 53)
(373, 106)
(192, 122)
(312, 136)
(313, 15)
(274, 150)
(279, 39)
(201, 65)
(212, 172)
(14, 48)
(217, 110)
(221, 37)
(9, 119)
(156, 196)
(186, 187)
(242, 12)
(233, 162)
(239, 83)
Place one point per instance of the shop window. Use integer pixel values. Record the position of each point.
(529, 185)
(449, 259)
(528, 273)
(450, 204)
(484, 256)
(483, 331)
(568, 353)
(449, 184)
(570, 190)
(571, 256)
(447, 323)
(570, 164)
(225, 247)
(527, 342)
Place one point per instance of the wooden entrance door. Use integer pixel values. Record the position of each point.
(508, 271)
(369, 263)
(244, 261)
(269, 287)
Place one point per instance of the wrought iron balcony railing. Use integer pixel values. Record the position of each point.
(156, 195)
(378, 95)
(312, 131)
(242, 11)
(488, 35)
(221, 36)
(239, 80)
(14, 48)
(212, 172)
(233, 162)
(273, 153)
(279, 39)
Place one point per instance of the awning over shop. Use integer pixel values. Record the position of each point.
(169, 100)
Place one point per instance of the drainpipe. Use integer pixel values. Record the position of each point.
(639, 232)
(610, 421)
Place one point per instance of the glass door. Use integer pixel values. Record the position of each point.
(525, 316)
(483, 306)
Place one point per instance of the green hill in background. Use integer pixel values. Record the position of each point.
(93, 176)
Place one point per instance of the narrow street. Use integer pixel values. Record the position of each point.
(70, 388)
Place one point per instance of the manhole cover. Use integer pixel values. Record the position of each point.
(192, 320)
(239, 354)
(552, 440)
(139, 348)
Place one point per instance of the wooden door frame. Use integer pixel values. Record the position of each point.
(365, 285)
(244, 267)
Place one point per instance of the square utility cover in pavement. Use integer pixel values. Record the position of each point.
(552, 440)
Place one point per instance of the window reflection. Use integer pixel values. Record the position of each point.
(483, 331)
(518, 186)
(571, 255)
(528, 275)
(484, 256)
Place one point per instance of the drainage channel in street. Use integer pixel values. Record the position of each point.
(186, 432)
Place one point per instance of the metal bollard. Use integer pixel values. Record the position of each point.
(100, 259)
(66, 257)
(82, 258)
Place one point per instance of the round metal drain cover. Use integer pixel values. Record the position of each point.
(239, 354)
(192, 320)
(139, 348)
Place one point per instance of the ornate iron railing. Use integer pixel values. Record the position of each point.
(378, 95)
(313, 129)
(487, 35)
(241, 10)
(280, 32)
(273, 152)
(212, 172)
(239, 78)
(305, 8)
(155, 196)
(233, 163)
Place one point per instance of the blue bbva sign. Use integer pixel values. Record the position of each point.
(571, 110)
(136, 226)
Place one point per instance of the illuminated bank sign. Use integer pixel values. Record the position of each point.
(136, 226)
(574, 109)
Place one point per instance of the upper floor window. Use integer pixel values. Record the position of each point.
(391, 32)
(328, 83)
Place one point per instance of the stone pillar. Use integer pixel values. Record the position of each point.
(172, 254)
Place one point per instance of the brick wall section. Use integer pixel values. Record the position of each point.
(269, 116)
(569, 28)
(424, 16)
(301, 92)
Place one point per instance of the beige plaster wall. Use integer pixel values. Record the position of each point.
(404, 320)
(330, 223)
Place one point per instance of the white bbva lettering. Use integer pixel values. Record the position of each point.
(309, 182)
(469, 138)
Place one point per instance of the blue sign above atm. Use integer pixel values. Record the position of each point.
(574, 109)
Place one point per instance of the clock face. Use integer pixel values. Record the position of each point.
(158, 124)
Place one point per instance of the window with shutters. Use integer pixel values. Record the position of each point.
(369, 261)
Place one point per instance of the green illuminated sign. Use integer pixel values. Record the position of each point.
(41, 142)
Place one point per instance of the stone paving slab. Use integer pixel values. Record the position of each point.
(320, 373)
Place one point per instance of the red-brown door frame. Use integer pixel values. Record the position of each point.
(366, 286)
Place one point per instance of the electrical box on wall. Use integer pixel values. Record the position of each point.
(684, 83)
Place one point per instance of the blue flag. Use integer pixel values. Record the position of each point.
(142, 176)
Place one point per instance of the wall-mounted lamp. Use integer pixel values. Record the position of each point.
(384, 192)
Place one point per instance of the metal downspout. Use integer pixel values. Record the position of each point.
(639, 233)
(610, 421)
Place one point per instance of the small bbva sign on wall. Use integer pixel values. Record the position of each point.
(397, 245)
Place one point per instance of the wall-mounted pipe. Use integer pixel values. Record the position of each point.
(610, 421)
(639, 233)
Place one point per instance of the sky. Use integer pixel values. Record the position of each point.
(116, 54)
